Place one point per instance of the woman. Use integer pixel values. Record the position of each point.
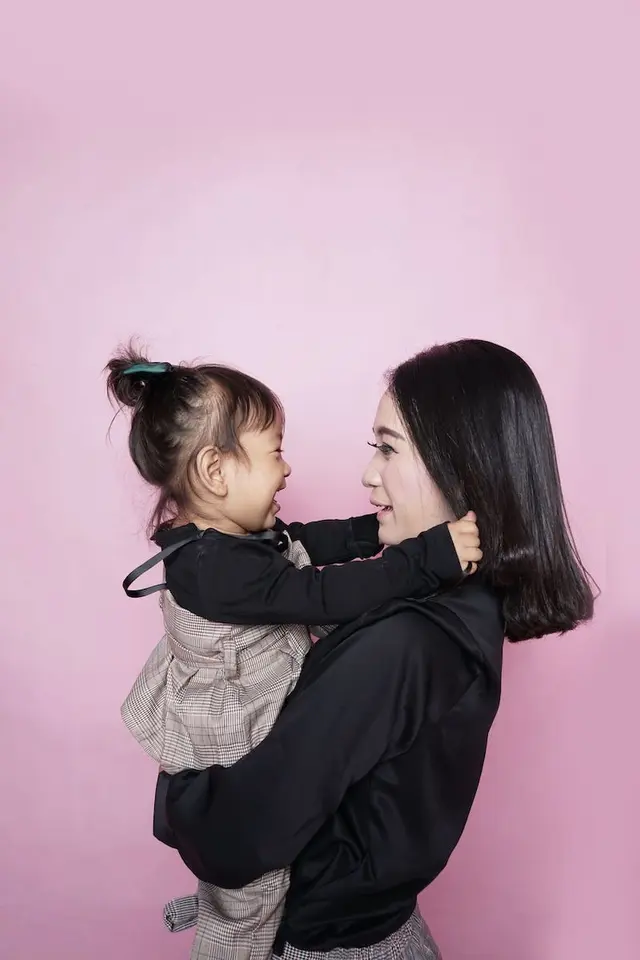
(366, 781)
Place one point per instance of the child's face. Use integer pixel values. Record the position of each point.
(253, 482)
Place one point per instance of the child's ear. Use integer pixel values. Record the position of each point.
(209, 471)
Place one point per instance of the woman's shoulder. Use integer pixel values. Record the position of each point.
(401, 655)
(403, 629)
(464, 622)
(404, 620)
(398, 634)
(437, 644)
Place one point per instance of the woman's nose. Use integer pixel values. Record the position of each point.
(287, 469)
(370, 477)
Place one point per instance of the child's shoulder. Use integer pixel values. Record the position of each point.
(169, 535)
(192, 550)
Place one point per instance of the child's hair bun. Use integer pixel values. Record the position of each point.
(130, 372)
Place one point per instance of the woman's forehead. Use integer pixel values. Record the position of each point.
(387, 419)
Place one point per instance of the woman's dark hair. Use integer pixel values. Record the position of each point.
(179, 409)
(477, 417)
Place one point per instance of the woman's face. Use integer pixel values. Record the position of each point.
(408, 499)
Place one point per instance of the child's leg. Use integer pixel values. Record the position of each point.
(239, 924)
(181, 913)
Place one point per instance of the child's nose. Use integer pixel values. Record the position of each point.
(287, 469)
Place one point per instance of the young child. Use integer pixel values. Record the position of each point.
(241, 589)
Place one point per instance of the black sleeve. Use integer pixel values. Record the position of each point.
(247, 581)
(233, 824)
(337, 541)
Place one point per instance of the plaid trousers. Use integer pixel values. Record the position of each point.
(413, 941)
(208, 694)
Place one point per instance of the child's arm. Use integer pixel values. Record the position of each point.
(248, 581)
(336, 541)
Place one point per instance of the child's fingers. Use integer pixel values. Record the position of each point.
(466, 526)
(471, 540)
(472, 554)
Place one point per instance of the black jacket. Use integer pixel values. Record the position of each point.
(366, 781)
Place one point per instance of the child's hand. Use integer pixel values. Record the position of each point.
(466, 540)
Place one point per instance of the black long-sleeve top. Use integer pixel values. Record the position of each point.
(246, 580)
(365, 782)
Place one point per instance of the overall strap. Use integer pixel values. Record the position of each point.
(275, 538)
(151, 562)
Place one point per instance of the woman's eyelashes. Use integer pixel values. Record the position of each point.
(384, 448)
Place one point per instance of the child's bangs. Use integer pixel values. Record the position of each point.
(258, 408)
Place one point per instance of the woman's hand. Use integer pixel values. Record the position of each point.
(466, 540)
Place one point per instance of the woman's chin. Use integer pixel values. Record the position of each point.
(387, 534)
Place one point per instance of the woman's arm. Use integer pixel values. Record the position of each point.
(337, 541)
(231, 825)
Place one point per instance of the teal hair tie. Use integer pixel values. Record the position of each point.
(152, 368)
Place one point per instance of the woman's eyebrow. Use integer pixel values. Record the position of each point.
(387, 432)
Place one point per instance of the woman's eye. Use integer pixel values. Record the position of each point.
(382, 448)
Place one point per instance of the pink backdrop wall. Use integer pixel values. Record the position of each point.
(312, 196)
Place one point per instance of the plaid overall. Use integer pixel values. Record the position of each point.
(208, 694)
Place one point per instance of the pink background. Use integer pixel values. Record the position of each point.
(311, 192)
